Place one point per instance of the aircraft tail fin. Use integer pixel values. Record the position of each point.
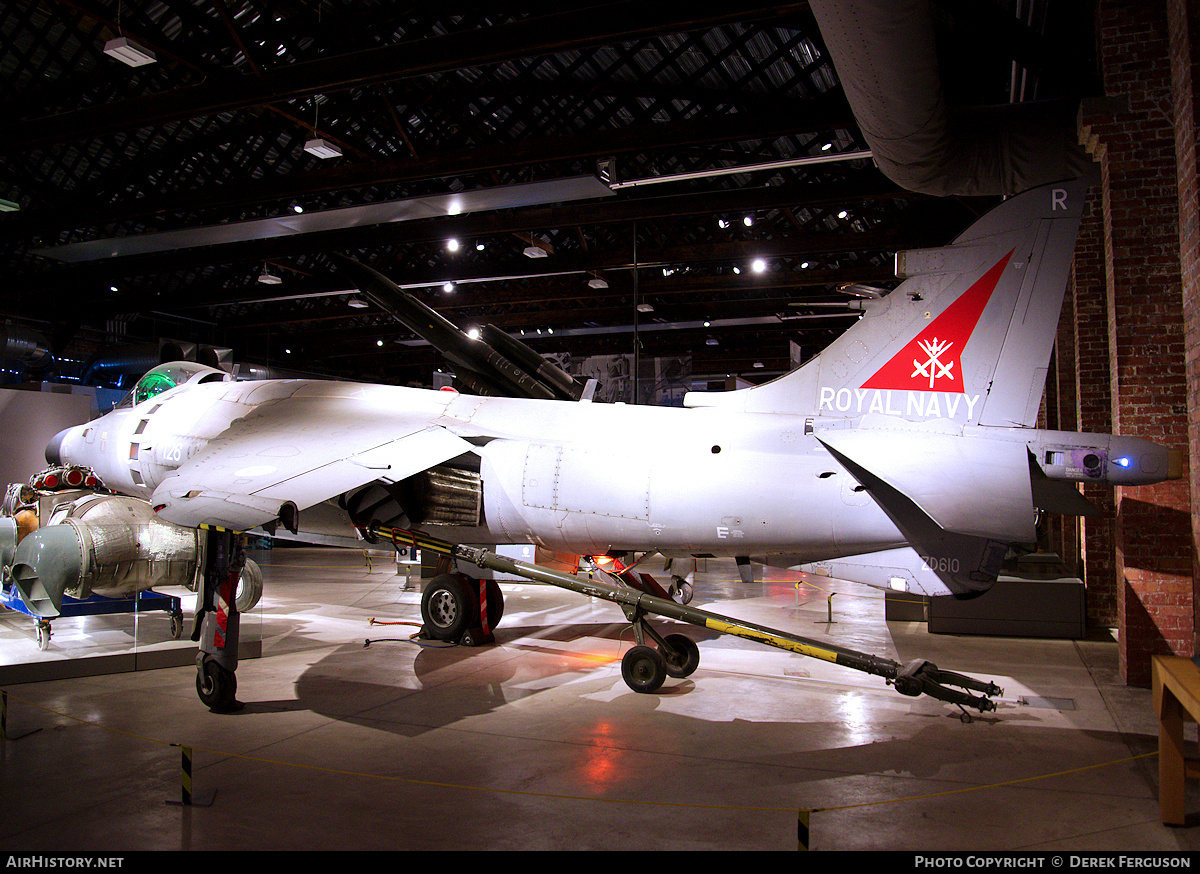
(966, 336)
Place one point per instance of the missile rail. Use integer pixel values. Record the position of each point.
(644, 668)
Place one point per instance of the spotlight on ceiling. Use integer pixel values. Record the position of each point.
(597, 282)
(535, 252)
(322, 148)
(269, 278)
(645, 308)
(357, 303)
(128, 52)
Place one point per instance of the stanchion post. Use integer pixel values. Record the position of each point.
(186, 796)
(4, 720)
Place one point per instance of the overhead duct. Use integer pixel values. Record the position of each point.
(28, 347)
(133, 361)
(886, 59)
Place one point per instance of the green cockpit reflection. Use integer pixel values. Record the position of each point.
(152, 384)
(167, 376)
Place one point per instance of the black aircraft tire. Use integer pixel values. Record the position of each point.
(687, 657)
(447, 608)
(216, 686)
(643, 669)
(495, 602)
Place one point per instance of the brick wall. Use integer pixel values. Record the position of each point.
(1183, 28)
(1093, 410)
(1132, 135)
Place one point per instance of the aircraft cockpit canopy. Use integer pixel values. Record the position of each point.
(167, 376)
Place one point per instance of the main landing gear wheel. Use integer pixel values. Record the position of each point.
(216, 686)
(643, 669)
(450, 606)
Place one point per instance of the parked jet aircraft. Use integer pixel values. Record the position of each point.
(904, 456)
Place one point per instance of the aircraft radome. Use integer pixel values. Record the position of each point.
(904, 456)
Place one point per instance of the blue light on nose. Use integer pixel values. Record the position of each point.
(1124, 461)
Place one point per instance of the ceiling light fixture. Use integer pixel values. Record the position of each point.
(597, 282)
(535, 252)
(269, 278)
(9, 206)
(452, 244)
(357, 303)
(322, 148)
(128, 52)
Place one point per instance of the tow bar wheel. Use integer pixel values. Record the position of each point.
(683, 657)
(643, 669)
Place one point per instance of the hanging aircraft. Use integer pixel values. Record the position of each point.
(905, 455)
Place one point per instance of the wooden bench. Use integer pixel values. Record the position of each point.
(1176, 699)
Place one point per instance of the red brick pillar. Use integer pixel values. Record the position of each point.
(1061, 414)
(1183, 28)
(1094, 411)
(1133, 137)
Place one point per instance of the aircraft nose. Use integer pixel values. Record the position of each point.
(54, 447)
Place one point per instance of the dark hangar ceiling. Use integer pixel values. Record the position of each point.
(662, 101)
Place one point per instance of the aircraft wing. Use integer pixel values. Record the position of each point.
(314, 444)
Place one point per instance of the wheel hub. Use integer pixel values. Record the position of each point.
(444, 608)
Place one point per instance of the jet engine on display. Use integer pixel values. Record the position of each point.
(69, 548)
(904, 456)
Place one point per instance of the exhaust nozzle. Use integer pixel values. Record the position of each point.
(47, 562)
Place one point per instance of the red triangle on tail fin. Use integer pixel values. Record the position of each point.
(931, 361)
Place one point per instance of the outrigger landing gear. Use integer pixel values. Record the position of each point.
(217, 621)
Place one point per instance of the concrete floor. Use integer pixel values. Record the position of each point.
(535, 742)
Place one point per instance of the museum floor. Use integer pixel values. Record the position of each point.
(535, 742)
